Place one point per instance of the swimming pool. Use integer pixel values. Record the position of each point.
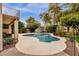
(29, 43)
(45, 38)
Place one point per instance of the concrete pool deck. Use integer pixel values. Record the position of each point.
(32, 46)
(14, 52)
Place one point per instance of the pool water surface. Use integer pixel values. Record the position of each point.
(46, 38)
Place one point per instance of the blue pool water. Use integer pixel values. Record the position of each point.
(46, 38)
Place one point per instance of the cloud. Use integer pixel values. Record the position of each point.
(37, 8)
(9, 11)
(34, 8)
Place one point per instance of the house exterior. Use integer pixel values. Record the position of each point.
(9, 18)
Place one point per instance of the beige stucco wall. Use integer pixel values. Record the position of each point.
(0, 8)
(16, 29)
(8, 30)
(5, 30)
(1, 38)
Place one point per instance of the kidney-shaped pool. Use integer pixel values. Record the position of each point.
(40, 44)
(44, 37)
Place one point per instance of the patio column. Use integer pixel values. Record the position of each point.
(1, 27)
(10, 29)
(16, 29)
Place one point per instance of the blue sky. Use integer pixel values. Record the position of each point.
(29, 9)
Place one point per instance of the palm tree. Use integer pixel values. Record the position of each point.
(74, 7)
(55, 10)
(46, 18)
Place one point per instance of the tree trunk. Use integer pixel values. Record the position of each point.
(68, 28)
(54, 19)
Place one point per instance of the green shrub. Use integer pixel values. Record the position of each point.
(32, 26)
(51, 28)
(22, 30)
(8, 41)
(60, 31)
(70, 33)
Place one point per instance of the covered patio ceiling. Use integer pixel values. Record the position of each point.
(9, 14)
(7, 19)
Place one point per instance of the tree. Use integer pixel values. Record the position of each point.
(22, 29)
(74, 7)
(31, 19)
(55, 10)
(45, 17)
(50, 28)
(70, 20)
(32, 24)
